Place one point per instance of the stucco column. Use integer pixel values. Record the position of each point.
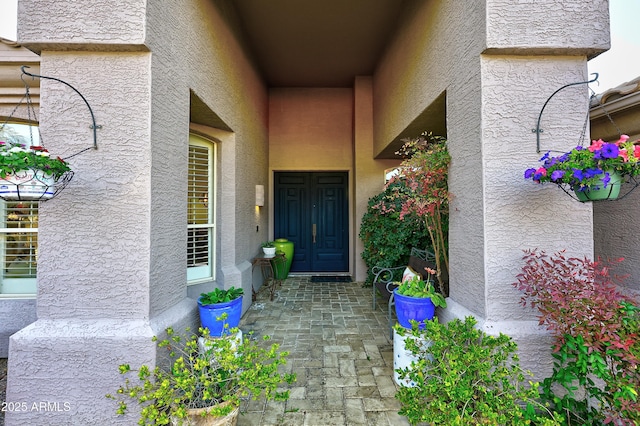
(111, 246)
(496, 213)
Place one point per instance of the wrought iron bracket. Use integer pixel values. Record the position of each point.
(538, 130)
(94, 126)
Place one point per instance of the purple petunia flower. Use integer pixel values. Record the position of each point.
(589, 173)
(557, 175)
(577, 174)
(545, 156)
(609, 150)
(606, 179)
(528, 173)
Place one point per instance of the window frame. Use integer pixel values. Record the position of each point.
(28, 133)
(203, 273)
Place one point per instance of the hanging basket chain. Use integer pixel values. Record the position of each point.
(538, 130)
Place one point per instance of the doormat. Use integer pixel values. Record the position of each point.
(331, 279)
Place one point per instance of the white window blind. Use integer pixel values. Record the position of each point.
(19, 248)
(201, 208)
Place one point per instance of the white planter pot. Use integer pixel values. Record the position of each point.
(402, 358)
(27, 185)
(269, 251)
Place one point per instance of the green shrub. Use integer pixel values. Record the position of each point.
(467, 377)
(386, 238)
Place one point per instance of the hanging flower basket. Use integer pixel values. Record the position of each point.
(594, 173)
(603, 190)
(30, 174)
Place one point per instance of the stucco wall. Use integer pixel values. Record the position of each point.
(497, 62)
(310, 129)
(369, 173)
(114, 271)
(16, 314)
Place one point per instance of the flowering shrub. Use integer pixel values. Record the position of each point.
(425, 171)
(16, 157)
(596, 329)
(582, 168)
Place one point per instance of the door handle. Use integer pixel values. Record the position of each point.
(313, 233)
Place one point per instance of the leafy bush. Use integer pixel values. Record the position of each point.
(213, 374)
(467, 377)
(597, 351)
(388, 240)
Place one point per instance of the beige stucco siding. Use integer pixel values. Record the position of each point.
(566, 26)
(517, 213)
(311, 129)
(113, 24)
(419, 63)
(114, 271)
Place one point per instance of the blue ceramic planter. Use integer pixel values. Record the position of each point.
(209, 315)
(413, 308)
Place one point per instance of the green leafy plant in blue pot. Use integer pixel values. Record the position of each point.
(416, 299)
(220, 310)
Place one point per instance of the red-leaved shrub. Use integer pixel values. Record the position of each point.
(596, 329)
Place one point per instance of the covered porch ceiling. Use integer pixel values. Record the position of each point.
(312, 43)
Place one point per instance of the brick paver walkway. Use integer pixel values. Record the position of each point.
(339, 349)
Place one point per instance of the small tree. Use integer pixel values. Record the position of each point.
(425, 171)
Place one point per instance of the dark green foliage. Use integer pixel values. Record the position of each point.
(387, 239)
(220, 296)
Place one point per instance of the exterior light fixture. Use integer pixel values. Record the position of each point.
(259, 195)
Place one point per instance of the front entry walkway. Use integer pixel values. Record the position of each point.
(339, 349)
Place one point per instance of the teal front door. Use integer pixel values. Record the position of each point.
(312, 210)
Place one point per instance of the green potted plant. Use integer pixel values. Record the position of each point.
(593, 173)
(416, 299)
(214, 304)
(269, 248)
(202, 384)
(29, 173)
(467, 377)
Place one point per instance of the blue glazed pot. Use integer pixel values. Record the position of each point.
(413, 308)
(209, 315)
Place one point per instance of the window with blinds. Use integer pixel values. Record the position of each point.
(19, 248)
(200, 226)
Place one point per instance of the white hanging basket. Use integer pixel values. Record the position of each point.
(27, 185)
